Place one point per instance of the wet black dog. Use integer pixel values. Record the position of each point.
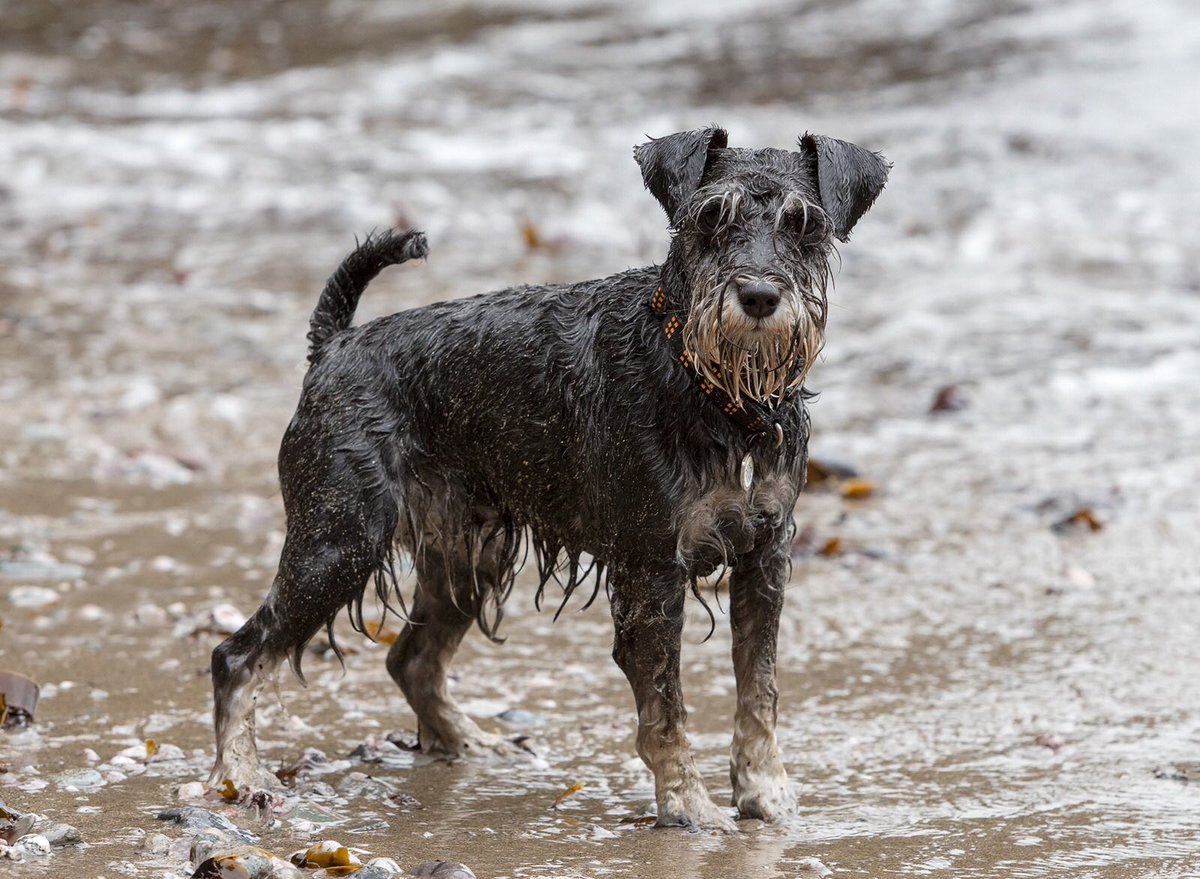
(652, 422)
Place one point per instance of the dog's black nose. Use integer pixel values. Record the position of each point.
(758, 298)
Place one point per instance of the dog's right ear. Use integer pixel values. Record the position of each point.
(672, 166)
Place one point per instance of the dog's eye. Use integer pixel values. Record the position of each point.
(811, 228)
(708, 221)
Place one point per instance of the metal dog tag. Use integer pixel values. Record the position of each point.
(747, 472)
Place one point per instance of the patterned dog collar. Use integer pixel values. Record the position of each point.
(748, 414)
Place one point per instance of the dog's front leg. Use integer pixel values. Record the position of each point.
(648, 615)
(760, 783)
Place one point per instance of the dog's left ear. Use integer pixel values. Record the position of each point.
(849, 178)
(672, 166)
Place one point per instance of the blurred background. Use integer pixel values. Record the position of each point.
(989, 654)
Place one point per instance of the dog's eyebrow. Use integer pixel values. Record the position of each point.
(796, 203)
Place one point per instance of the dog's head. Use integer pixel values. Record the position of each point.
(752, 236)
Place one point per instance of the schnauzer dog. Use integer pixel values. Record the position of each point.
(637, 432)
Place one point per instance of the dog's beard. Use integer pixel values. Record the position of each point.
(756, 359)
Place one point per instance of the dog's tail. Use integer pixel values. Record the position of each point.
(339, 300)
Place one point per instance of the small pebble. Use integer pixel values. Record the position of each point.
(93, 613)
(61, 835)
(156, 844)
(165, 753)
(521, 717)
(81, 779)
(32, 596)
(811, 868)
(599, 832)
(163, 564)
(150, 615)
(444, 870)
(27, 569)
(227, 618)
(34, 845)
(192, 790)
(379, 868)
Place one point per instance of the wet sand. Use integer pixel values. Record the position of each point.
(967, 690)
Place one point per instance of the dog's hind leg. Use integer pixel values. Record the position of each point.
(760, 783)
(339, 533)
(648, 617)
(317, 577)
(450, 592)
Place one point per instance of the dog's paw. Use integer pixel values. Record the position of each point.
(694, 813)
(770, 803)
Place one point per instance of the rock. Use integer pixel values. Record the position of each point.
(404, 802)
(246, 862)
(61, 835)
(81, 780)
(197, 819)
(227, 619)
(521, 717)
(599, 832)
(192, 790)
(36, 596)
(149, 615)
(379, 868)
(44, 431)
(811, 868)
(32, 845)
(210, 842)
(166, 752)
(93, 613)
(377, 750)
(158, 844)
(443, 870)
(32, 596)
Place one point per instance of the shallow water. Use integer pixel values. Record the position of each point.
(966, 691)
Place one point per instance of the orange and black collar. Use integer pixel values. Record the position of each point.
(751, 416)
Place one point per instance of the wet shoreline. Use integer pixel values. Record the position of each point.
(969, 687)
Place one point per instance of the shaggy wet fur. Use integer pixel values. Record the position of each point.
(555, 421)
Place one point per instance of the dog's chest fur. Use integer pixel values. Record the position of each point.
(723, 520)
